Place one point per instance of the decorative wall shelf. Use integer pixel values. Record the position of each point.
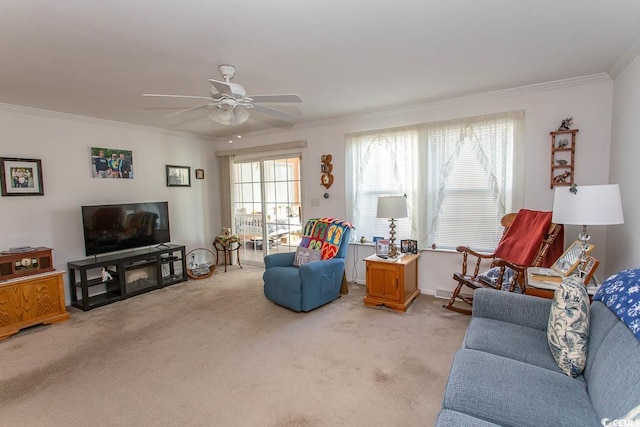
(563, 152)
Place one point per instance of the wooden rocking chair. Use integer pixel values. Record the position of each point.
(529, 239)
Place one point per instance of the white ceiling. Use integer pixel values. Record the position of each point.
(96, 58)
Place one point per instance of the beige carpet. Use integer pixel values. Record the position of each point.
(215, 352)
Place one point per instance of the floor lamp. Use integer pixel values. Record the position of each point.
(392, 207)
(587, 205)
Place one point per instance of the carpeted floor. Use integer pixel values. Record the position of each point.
(215, 352)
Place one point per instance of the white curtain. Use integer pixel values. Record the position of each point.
(492, 140)
(382, 164)
(450, 170)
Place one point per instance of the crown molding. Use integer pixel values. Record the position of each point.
(94, 120)
(624, 59)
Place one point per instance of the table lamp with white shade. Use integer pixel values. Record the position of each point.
(392, 207)
(587, 205)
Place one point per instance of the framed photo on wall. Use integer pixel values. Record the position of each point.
(178, 176)
(199, 173)
(21, 177)
(111, 163)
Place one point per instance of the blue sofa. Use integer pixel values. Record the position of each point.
(505, 375)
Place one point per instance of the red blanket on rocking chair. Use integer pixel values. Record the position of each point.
(522, 240)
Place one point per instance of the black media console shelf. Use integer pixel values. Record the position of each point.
(105, 279)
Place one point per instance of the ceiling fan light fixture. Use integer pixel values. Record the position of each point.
(229, 103)
(241, 114)
(221, 115)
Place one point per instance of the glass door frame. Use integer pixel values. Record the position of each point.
(280, 229)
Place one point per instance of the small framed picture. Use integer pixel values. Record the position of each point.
(570, 259)
(178, 176)
(199, 173)
(21, 177)
(413, 246)
(404, 246)
(588, 268)
(382, 248)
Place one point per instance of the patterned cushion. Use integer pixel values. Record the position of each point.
(324, 234)
(568, 327)
(490, 277)
(621, 293)
(305, 256)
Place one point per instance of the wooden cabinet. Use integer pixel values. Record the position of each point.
(563, 153)
(392, 283)
(30, 301)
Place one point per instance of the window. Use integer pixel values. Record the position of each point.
(459, 177)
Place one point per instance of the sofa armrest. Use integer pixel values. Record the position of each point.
(280, 259)
(518, 309)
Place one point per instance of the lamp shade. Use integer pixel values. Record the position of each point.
(590, 205)
(392, 207)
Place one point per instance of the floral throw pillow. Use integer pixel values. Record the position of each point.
(305, 256)
(568, 327)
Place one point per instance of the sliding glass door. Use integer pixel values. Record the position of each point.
(267, 208)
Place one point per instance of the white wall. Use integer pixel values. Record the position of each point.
(63, 144)
(623, 245)
(588, 100)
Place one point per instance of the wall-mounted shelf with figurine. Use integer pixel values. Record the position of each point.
(563, 153)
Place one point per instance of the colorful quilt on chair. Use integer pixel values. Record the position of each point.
(324, 234)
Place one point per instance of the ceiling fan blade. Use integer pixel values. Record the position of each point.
(276, 98)
(197, 107)
(280, 115)
(158, 95)
(223, 88)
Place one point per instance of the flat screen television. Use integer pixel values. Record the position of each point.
(110, 228)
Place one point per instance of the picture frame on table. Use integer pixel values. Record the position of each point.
(587, 269)
(570, 259)
(405, 246)
(21, 177)
(178, 176)
(382, 248)
(413, 246)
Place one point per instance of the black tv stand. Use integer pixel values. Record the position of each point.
(129, 274)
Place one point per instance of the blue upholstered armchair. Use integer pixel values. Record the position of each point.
(310, 285)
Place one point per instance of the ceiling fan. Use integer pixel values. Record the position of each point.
(229, 103)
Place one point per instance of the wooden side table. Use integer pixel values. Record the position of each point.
(30, 300)
(227, 244)
(392, 283)
(545, 289)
